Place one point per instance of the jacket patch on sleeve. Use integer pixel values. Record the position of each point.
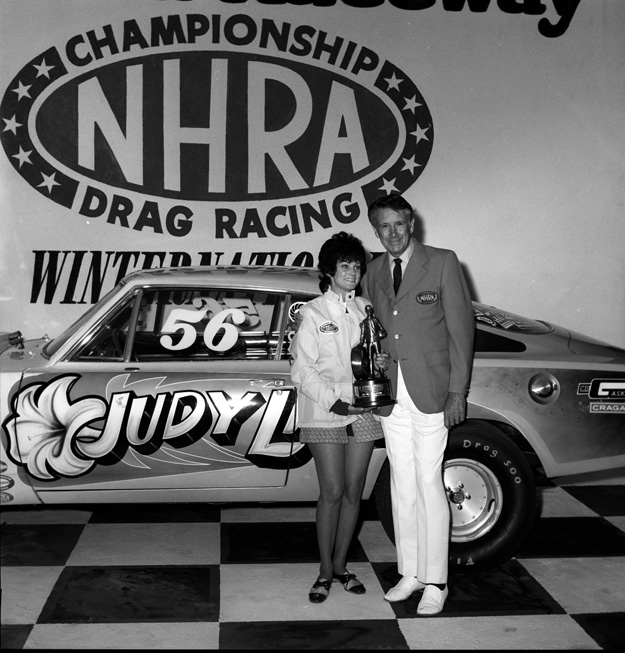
(328, 327)
(427, 297)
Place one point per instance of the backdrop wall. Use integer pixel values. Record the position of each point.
(152, 132)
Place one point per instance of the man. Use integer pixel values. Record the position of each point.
(429, 319)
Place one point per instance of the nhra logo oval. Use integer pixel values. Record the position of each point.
(427, 297)
(328, 327)
(271, 116)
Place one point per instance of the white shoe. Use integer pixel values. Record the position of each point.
(432, 601)
(406, 586)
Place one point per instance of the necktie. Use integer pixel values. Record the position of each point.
(397, 274)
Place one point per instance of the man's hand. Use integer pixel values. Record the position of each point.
(383, 361)
(455, 409)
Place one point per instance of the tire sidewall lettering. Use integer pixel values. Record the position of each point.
(493, 454)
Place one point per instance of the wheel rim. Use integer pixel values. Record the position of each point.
(475, 498)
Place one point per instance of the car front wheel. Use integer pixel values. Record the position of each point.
(491, 492)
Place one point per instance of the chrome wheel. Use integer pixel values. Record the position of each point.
(475, 498)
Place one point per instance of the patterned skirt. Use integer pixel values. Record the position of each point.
(364, 429)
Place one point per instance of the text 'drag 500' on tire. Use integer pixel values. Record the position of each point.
(491, 492)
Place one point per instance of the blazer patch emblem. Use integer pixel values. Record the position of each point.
(427, 297)
(328, 327)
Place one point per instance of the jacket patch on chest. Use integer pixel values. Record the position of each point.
(427, 297)
(328, 327)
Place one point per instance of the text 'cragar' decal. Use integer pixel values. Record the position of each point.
(255, 127)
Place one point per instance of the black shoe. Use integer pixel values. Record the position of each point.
(350, 583)
(319, 591)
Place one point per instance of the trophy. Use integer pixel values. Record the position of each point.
(371, 388)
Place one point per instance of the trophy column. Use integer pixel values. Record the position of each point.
(371, 388)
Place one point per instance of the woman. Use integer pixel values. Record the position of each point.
(340, 435)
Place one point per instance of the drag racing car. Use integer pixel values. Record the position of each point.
(175, 387)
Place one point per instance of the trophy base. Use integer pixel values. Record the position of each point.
(372, 393)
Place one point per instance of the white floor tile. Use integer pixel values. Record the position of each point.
(376, 543)
(25, 591)
(606, 477)
(148, 544)
(261, 592)
(556, 502)
(619, 522)
(528, 632)
(582, 585)
(176, 636)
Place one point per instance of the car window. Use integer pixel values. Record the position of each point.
(486, 341)
(108, 342)
(197, 324)
(53, 346)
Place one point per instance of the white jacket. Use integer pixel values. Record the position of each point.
(321, 351)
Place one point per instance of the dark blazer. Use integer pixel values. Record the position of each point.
(429, 324)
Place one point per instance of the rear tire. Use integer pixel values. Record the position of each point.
(491, 492)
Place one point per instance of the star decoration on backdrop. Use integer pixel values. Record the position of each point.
(418, 134)
(412, 104)
(12, 125)
(43, 69)
(388, 186)
(22, 91)
(393, 82)
(34, 165)
(410, 164)
(48, 182)
(23, 157)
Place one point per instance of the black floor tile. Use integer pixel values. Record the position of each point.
(134, 594)
(505, 590)
(606, 500)
(37, 545)
(276, 542)
(573, 537)
(369, 510)
(382, 634)
(608, 630)
(13, 637)
(154, 513)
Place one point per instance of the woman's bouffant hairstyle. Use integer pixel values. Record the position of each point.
(341, 247)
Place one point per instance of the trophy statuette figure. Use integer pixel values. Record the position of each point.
(371, 388)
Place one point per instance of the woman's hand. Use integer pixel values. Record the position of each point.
(357, 410)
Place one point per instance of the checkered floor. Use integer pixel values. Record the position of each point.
(218, 577)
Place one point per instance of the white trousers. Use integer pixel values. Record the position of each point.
(415, 444)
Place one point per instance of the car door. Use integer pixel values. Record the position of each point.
(178, 387)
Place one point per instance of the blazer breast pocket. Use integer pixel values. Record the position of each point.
(425, 297)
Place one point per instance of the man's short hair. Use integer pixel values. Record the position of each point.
(394, 201)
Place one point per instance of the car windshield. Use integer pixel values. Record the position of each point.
(509, 322)
(54, 345)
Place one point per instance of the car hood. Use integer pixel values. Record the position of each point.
(14, 358)
(585, 346)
